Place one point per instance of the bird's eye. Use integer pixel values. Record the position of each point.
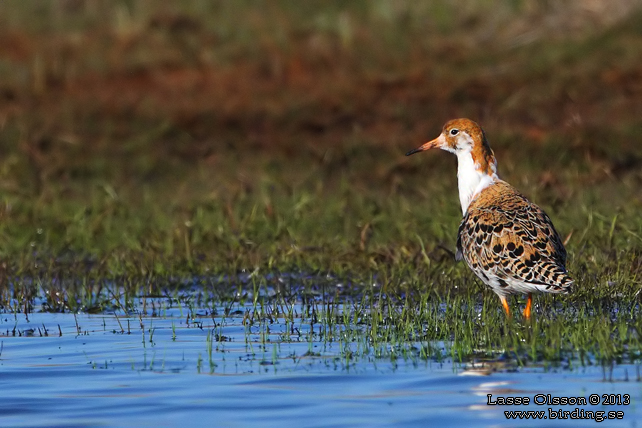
(454, 131)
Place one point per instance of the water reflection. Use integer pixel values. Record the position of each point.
(176, 366)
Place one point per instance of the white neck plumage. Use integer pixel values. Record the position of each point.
(471, 178)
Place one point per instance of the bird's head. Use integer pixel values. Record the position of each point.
(463, 137)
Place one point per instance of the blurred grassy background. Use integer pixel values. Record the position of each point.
(154, 137)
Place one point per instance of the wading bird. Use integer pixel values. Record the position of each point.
(506, 240)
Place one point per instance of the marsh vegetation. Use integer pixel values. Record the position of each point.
(252, 153)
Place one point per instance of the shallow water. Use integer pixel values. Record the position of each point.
(185, 366)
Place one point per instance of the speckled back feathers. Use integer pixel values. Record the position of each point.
(511, 244)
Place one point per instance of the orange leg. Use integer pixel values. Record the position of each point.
(529, 303)
(505, 305)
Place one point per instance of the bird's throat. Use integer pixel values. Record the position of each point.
(472, 177)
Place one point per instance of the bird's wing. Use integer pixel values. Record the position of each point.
(514, 240)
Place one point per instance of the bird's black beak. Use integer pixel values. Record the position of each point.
(437, 142)
(413, 151)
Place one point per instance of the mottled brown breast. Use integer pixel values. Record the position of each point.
(506, 236)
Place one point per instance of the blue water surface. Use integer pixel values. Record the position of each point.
(66, 370)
